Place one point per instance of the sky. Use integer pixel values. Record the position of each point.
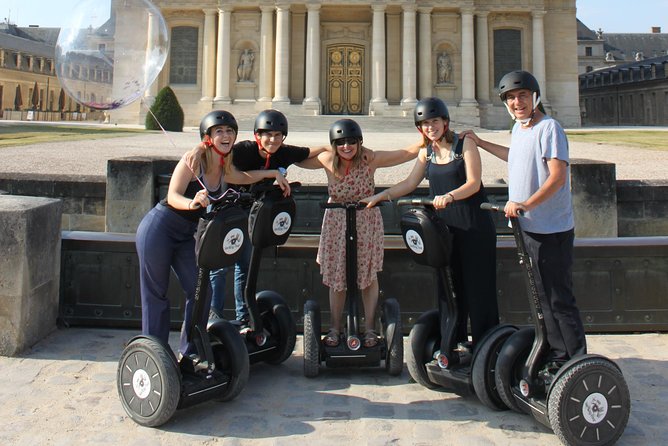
(612, 16)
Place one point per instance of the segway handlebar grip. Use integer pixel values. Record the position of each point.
(496, 208)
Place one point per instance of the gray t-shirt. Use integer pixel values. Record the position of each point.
(530, 149)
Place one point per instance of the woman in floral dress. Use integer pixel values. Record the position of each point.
(350, 169)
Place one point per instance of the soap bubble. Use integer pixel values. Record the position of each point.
(111, 51)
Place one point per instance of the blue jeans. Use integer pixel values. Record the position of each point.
(240, 273)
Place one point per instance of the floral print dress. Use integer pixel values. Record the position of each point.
(357, 184)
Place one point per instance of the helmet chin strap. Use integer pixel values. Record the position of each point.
(262, 149)
(215, 149)
(535, 100)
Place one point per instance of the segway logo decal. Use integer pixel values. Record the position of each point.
(414, 241)
(282, 223)
(233, 241)
(595, 408)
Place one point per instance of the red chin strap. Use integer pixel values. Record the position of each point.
(262, 149)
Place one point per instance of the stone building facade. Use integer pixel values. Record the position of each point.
(365, 57)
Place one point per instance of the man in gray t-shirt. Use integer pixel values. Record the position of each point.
(539, 195)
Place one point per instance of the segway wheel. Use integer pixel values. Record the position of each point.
(231, 357)
(148, 382)
(483, 370)
(510, 363)
(278, 320)
(589, 403)
(311, 340)
(424, 340)
(393, 332)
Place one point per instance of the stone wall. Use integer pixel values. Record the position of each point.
(641, 206)
(83, 198)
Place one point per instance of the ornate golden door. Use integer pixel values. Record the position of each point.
(345, 79)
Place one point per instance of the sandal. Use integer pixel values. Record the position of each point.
(332, 338)
(370, 339)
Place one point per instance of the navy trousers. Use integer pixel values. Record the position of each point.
(165, 241)
(552, 257)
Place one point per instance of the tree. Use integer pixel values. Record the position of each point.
(167, 111)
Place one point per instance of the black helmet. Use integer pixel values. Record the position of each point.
(345, 128)
(516, 80)
(214, 118)
(429, 108)
(272, 120)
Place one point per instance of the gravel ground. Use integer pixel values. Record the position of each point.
(89, 158)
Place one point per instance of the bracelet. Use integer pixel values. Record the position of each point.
(451, 196)
(389, 197)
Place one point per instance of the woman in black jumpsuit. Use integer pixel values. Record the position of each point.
(453, 169)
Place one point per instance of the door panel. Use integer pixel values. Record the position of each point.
(345, 79)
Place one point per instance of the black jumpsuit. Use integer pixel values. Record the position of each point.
(473, 258)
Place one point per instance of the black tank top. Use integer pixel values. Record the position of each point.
(443, 178)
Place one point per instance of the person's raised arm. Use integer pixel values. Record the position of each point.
(389, 158)
(497, 150)
(235, 176)
(405, 186)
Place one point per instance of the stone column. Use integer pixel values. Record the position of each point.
(312, 99)
(468, 59)
(408, 50)
(29, 270)
(539, 53)
(152, 89)
(209, 54)
(266, 53)
(425, 59)
(378, 87)
(482, 57)
(223, 55)
(282, 68)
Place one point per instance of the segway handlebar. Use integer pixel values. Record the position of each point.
(345, 205)
(415, 201)
(496, 208)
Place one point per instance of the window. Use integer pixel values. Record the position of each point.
(589, 68)
(184, 53)
(507, 52)
(588, 51)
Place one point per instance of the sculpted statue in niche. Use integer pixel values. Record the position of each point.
(245, 67)
(444, 68)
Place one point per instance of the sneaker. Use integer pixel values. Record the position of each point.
(244, 326)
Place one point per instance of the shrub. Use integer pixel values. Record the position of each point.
(167, 111)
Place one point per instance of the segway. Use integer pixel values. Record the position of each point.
(436, 360)
(585, 401)
(272, 331)
(152, 384)
(350, 352)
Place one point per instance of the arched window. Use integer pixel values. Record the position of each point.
(183, 55)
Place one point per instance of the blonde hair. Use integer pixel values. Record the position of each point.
(208, 164)
(353, 163)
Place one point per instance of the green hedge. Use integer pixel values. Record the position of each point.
(167, 111)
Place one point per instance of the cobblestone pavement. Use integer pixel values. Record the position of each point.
(63, 392)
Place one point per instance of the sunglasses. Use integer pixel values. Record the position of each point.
(343, 141)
